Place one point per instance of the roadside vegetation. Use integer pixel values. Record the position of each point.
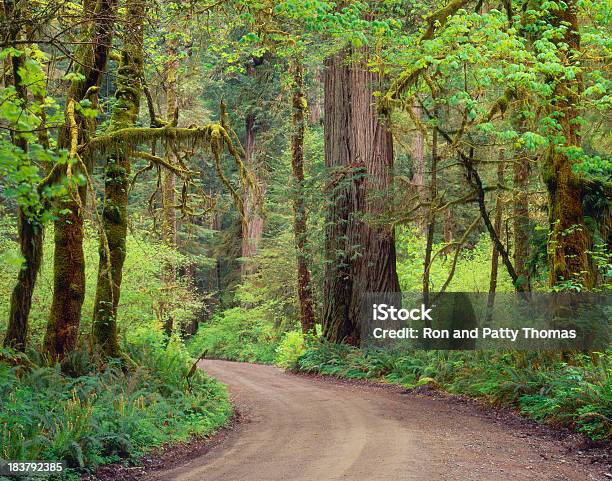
(231, 178)
(88, 411)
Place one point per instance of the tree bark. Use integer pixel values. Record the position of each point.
(116, 185)
(169, 225)
(418, 169)
(520, 215)
(449, 226)
(253, 204)
(430, 225)
(300, 219)
(497, 224)
(569, 239)
(360, 256)
(30, 229)
(69, 260)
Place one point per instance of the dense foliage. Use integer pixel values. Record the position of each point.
(96, 417)
(230, 179)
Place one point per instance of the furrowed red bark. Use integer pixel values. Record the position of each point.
(116, 185)
(300, 219)
(418, 169)
(253, 204)
(360, 255)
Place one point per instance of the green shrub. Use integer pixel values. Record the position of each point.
(237, 334)
(290, 349)
(109, 416)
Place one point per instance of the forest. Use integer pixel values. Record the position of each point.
(189, 180)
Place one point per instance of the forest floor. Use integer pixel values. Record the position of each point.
(295, 427)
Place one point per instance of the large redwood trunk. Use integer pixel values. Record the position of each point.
(360, 255)
(253, 203)
(418, 169)
(300, 222)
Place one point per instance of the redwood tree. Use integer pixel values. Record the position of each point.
(360, 254)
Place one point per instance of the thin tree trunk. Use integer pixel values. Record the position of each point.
(69, 260)
(300, 222)
(418, 170)
(30, 229)
(360, 256)
(497, 224)
(448, 229)
(431, 216)
(169, 226)
(116, 185)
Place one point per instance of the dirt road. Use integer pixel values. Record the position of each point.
(301, 428)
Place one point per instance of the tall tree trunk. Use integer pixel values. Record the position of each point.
(253, 203)
(569, 239)
(431, 215)
(169, 226)
(116, 184)
(69, 260)
(315, 111)
(30, 229)
(360, 256)
(497, 224)
(520, 216)
(300, 221)
(418, 169)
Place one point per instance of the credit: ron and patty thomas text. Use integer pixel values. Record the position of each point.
(384, 312)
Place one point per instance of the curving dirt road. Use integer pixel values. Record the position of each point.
(301, 428)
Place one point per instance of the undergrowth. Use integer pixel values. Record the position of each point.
(577, 393)
(101, 417)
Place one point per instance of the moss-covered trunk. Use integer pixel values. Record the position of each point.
(569, 240)
(520, 215)
(116, 185)
(300, 216)
(30, 230)
(69, 260)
